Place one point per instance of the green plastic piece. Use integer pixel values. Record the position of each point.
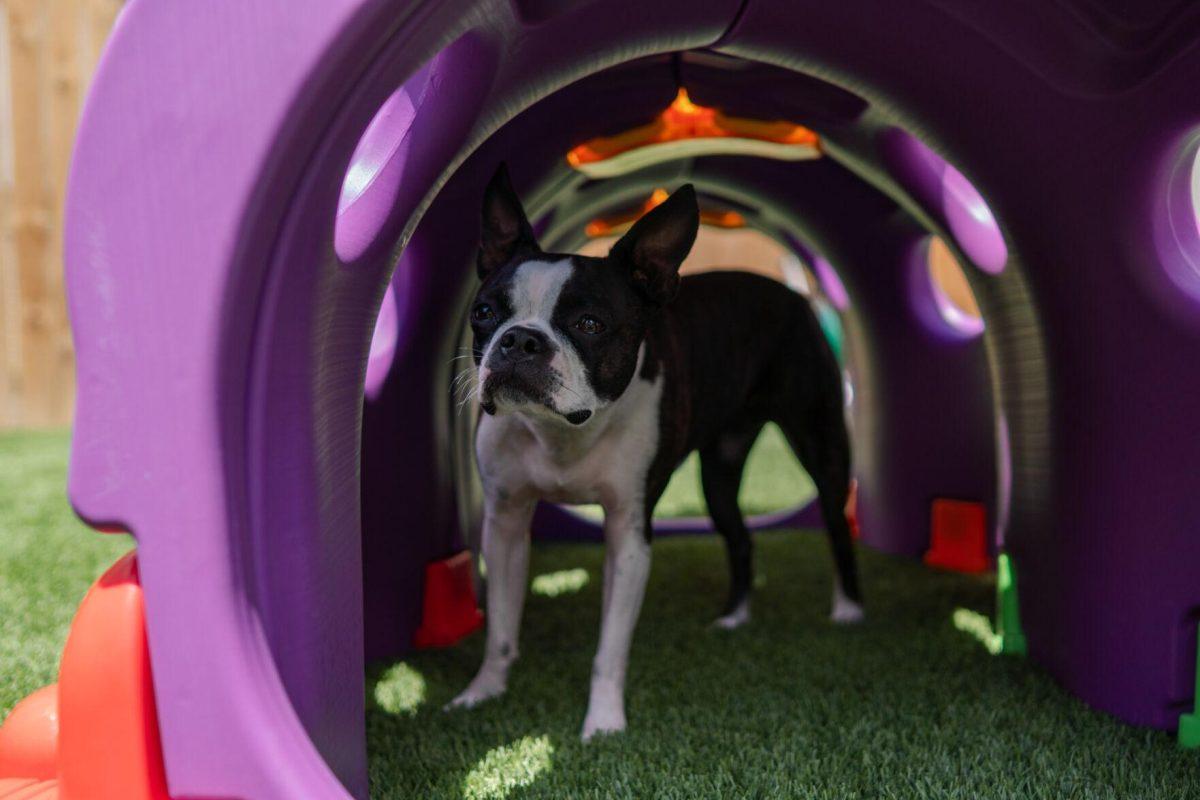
(1189, 731)
(1008, 612)
(1189, 724)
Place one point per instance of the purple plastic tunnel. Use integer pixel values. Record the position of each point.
(254, 181)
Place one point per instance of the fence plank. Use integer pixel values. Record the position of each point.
(52, 47)
(10, 340)
(30, 219)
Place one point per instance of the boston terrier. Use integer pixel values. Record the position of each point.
(598, 376)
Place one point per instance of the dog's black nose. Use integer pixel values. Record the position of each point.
(523, 344)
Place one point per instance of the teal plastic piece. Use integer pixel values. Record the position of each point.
(831, 326)
(1008, 612)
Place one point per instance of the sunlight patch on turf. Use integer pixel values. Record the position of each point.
(978, 626)
(565, 581)
(400, 690)
(509, 767)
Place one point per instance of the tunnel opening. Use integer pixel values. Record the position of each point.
(802, 236)
(416, 450)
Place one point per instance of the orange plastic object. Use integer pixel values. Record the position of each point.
(107, 744)
(958, 536)
(682, 120)
(619, 223)
(450, 612)
(29, 738)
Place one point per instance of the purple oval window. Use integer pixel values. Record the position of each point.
(940, 293)
(948, 196)
(376, 170)
(383, 344)
(1178, 225)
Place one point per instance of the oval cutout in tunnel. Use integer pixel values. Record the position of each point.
(1178, 224)
(941, 294)
(947, 195)
(376, 169)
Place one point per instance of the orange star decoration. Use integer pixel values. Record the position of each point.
(683, 130)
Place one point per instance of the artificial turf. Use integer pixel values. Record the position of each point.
(48, 558)
(904, 705)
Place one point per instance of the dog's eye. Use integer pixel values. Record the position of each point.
(483, 313)
(590, 325)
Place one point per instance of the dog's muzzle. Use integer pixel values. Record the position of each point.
(519, 366)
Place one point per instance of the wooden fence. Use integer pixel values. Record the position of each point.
(48, 51)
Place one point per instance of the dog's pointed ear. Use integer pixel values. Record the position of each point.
(656, 245)
(505, 227)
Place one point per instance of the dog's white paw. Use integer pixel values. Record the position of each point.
(606, 710)
(846, 612)
(483, 688)
(734, 619)
(603, 721)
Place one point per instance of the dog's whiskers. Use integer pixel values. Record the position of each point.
(464, 403)
(464, 385)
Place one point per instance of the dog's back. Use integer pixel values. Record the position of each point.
(735, 345)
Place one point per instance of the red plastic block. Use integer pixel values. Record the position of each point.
(851, 510)
(93, 735)
(450, 611)
(958, 536)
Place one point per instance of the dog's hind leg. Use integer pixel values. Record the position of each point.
(721, 467)
(823, 447)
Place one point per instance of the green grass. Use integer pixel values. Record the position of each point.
(48, 558)
(774, 481)
(905, 705)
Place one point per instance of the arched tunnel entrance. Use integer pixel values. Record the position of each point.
(924, 412)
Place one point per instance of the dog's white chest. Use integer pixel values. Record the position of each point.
(604, 461)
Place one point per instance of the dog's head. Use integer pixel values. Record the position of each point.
(558, 335)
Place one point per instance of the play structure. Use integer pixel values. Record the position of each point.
(272, 213)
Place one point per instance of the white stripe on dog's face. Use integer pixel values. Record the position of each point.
(533, 294)
(534, 290)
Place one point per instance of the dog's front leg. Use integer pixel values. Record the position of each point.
(506, 556)
(626, 568)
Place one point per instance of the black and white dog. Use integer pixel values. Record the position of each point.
(598, 376)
